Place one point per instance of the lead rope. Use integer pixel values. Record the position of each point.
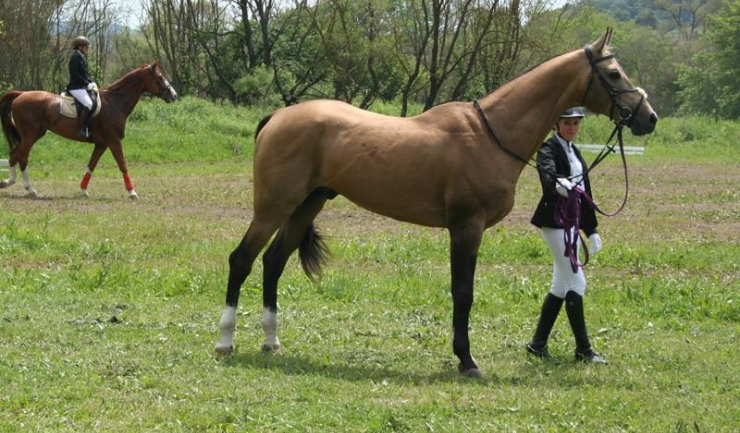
(568, 210)
(568, 216)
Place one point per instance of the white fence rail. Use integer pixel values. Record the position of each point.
(628, 150)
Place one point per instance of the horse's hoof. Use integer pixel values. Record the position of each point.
(6, 184)
(85, 193)
(472, 373)
(224, 350)
(271, 349)
(133, 196)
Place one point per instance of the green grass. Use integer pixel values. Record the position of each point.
(110, 307)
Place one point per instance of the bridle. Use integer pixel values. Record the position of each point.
(625, 118)
(625, 114)
(164, 85)
(569, 209)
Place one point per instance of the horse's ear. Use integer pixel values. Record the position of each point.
(602, 42)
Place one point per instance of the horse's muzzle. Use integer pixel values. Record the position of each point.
(644, 124)
(171, 95)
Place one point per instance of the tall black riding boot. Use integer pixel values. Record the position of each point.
(549, 314)
(574, 309)
(82, 117)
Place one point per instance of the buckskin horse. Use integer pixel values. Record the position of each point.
(26, 116)
(454, 166)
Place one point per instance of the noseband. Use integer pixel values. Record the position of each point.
(163, 83)
(625, 114)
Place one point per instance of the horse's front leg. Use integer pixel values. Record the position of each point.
(94, 158)
(465, 241)
(117, 151)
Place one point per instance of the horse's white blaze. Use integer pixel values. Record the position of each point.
(228, 326)
(269, 326)
(173, 93)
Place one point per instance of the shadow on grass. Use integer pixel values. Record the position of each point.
(293, 365)
(75, 197)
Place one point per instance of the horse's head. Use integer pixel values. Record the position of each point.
(610, 92)
(158, 84)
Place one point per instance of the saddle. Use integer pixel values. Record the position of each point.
(69, 107)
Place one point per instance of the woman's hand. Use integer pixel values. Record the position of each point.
(595, 243)
(563, 186)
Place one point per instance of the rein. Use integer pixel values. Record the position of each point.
(568, 210)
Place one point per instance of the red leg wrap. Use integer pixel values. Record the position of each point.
(85, 180)
(127, 181)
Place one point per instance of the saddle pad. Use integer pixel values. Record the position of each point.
(67, 106)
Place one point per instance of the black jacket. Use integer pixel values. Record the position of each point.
(551, 158)
(79, 78)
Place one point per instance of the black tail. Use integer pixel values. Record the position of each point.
(313, 253)
(11, 133)
(261, 125)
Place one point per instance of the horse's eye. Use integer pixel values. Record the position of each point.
(615, 75)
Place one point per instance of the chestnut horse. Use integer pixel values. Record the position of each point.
(454, 166)
(34, 112)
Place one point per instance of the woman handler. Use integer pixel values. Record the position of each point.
(562, 168)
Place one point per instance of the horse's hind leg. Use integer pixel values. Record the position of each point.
(27, 183)
(23, 163)
(287, 240)
(19, 156)
(10, 181)
(240, 266)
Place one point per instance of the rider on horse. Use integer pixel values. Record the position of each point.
(80, 83)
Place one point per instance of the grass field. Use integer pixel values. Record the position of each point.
(110, 307)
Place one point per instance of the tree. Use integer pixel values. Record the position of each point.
(688, 17)
(35, 47)
(712, 84)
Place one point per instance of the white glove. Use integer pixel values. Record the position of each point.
(92, 86)
(595, 243)
(562, 186)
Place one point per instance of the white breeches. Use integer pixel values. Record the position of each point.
(564, 280)
(82, 97)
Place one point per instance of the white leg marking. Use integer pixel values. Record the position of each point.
(10, 180)
(27, 184)
(227, 326)
(269, 326)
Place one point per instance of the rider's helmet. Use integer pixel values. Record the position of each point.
(573, 112)
(80, 40)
